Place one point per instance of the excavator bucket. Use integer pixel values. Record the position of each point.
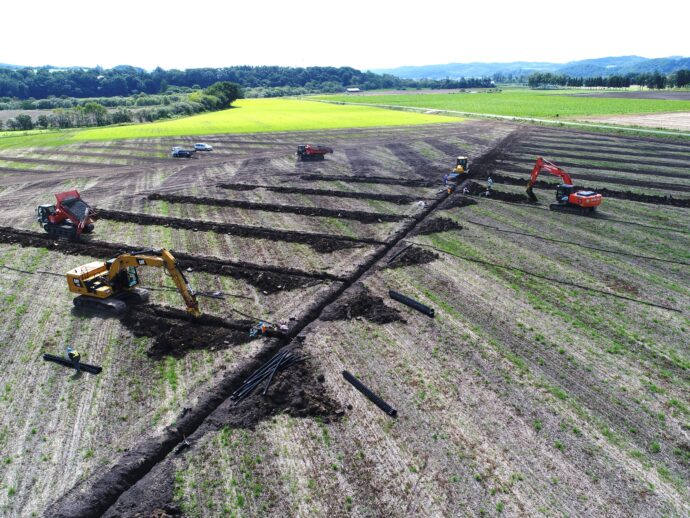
(530, 194)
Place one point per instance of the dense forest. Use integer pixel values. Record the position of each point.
(655, 80)
(42, 83)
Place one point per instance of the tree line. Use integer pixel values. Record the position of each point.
(653, 80)
(125, 80)
(216, 97)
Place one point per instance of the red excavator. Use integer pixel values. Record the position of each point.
(567, 198)
(309, 152)
(69, 217)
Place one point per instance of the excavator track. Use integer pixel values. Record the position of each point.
(572, 209)
(115, 306)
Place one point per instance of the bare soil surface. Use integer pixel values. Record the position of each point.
(553, 379)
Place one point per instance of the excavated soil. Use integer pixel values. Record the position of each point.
(479, 190)
(321, 243)
(176, 333)
(358, 302)
(298, 391)
(266, 278)
(384, 180)
(431, 226)
(411, 256)
(400, 199)
(355, 215)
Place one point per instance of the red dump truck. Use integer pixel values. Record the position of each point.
(312, 152)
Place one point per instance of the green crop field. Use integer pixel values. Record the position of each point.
(522, 103)
(248, 116)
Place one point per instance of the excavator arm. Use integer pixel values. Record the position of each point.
(164, 260)
(544, 165)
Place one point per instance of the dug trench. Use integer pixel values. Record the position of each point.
(135, 482)
(321, 243)
(382, 180)
(268, 279)
(355, 215)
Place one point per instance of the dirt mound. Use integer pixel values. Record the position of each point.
(476, 189)
(359, 302)
(431, 226)
(355, 215)
(321, 243)
(295, 391)
(175, 333)
(412, 255)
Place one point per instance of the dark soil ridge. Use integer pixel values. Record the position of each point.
(93, 498)
(358, 302)
(607, 193)
(518, 161)
(476, 189)
(432, 226)
(615, 157)
(384, 180)
(640, 143)
(321, 243)
(400, 199)
(583, 134)
(355, 215)
(420, 164)
(412, 255)
(176, 332)
(269, 279)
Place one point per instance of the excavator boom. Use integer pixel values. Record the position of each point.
(567, 199)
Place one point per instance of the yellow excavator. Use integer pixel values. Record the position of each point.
(111, 285)
(457, 174)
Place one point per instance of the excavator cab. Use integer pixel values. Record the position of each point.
(563, 192)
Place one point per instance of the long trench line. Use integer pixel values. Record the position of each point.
(104, 492)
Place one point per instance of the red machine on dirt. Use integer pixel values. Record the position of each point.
(309, 152)
(567, 198)
(69, 217)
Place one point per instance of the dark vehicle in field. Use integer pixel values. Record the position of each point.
(178, 152)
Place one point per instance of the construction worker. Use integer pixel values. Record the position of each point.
(489, 183)
(74, 357)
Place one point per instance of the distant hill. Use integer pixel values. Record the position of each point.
(583, 68)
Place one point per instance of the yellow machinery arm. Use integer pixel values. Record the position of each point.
(118, 275)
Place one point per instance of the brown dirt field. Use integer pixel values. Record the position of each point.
(674, 121)
(552, 381)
